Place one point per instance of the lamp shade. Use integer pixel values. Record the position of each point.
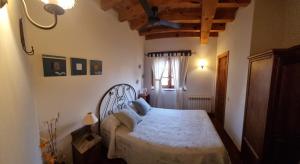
(202, 63)
(90, 119)
(65, 4)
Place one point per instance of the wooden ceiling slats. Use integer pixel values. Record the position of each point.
(135, 10)
(184, 16)
(189, 13)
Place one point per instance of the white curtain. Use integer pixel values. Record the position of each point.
(158, 67)
(183, 68)
(175, 66)
(179, 67)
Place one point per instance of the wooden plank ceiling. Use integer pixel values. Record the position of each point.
(198, 18)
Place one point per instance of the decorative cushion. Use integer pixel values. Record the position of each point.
(141, 106)
(129, 118)
(108, 127)
(110, 123)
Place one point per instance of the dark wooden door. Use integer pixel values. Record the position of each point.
(221, 87)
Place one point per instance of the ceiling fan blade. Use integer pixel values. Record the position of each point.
(169, 24)
(147, 8)
(145, 28)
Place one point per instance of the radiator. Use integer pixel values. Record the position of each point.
(199, 102)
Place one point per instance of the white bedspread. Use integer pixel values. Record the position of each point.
(168, 136)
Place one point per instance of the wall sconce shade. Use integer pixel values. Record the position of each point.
(202, 63)
(54, 9)
(2, 3)
(65, 4)
(90, 119)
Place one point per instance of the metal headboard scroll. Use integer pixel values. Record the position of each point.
(115, 100)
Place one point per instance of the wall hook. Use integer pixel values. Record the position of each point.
(30, 52)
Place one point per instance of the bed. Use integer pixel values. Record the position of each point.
(164, 136)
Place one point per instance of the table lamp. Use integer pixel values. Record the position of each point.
(89, 120)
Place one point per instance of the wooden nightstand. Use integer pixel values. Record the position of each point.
(86, 149)
(145, 97)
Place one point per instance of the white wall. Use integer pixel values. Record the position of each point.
(237, 40)
(199, 82)
(85, 32)
(276, 25)
(267, 25)
(291, 32)
(19, 138)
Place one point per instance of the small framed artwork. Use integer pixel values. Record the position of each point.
(54, 65)
(96, 67)
(78, 66)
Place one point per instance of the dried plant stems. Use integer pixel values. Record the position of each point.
(52, 132)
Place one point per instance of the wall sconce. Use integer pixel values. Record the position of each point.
(202, 63)
(2, 3)
(54, 7)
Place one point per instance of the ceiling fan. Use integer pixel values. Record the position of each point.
(153, 18)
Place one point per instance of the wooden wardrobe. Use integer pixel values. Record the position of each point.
(272, 117)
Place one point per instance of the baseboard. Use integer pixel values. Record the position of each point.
(235, 147)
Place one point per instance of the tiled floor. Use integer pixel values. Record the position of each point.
(231, 148)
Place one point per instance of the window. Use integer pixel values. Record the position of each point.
(164, 70)
(168, 76)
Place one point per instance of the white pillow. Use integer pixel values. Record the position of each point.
(129, 118)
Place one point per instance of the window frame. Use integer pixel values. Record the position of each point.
(169, 86)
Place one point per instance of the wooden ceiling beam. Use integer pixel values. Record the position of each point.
(177, 35)
(218, 27)
(231, 5)
(209, 8)
(185, 16)
(243, 1)
(109, 4)
(216, 20)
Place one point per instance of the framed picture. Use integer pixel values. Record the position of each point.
(54, 65)
(78, 66)
(96, 67)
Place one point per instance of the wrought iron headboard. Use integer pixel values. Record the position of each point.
(115, 99)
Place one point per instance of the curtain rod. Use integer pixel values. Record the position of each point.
(170, 53)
